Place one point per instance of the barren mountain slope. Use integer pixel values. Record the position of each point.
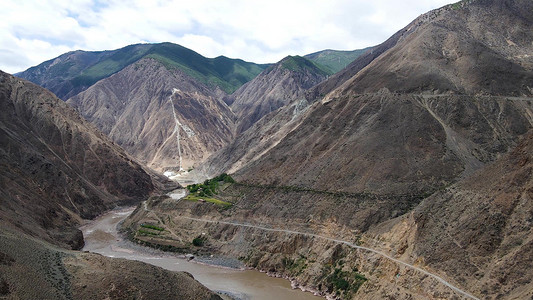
(135, 108)
(56, 167)
(477, 231)
(391, 143)
(488, 227)
(267, 109)
(275, 87)
(33, 269)
(256, 141)
(385, 130)
(480, 46)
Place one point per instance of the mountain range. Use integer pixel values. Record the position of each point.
(395, 151)
(360, 168)
(136, 83)
(73, 72)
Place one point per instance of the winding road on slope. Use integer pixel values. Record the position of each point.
(352, 245)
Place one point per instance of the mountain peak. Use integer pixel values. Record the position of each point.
(299, 63)
(279, 85)
(335, 60)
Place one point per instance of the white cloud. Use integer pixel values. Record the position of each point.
(260, 31)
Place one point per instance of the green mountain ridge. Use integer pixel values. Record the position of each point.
(225, 73)
(110, 65)
(335, 60)
(73, 72)
(297, 63)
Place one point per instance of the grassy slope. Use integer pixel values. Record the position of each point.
(228, 74)
(111, 64)
(296, 63)
(208, 199)
(335, 60)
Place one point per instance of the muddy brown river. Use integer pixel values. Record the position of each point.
(101, 237)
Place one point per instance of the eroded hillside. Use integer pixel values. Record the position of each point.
(136, 108)
(383, 172)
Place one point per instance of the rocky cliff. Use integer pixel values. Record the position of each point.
(477, 231)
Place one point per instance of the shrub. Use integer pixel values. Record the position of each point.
(210, 186)
(199, 241)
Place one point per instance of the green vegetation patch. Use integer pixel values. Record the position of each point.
(335, 60)
(111, 64)
(346, 281)
(226, 73)
(204, 192)
(298, 63)
(199, 241)
(295, 266)
(460, 4)
(90, 67)
(147, 232)
(210, 187)
(167, 248)
(152, 227)
(343, 282)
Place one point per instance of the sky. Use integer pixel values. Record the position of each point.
(33, 31)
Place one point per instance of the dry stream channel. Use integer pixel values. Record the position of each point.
(101, 236)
